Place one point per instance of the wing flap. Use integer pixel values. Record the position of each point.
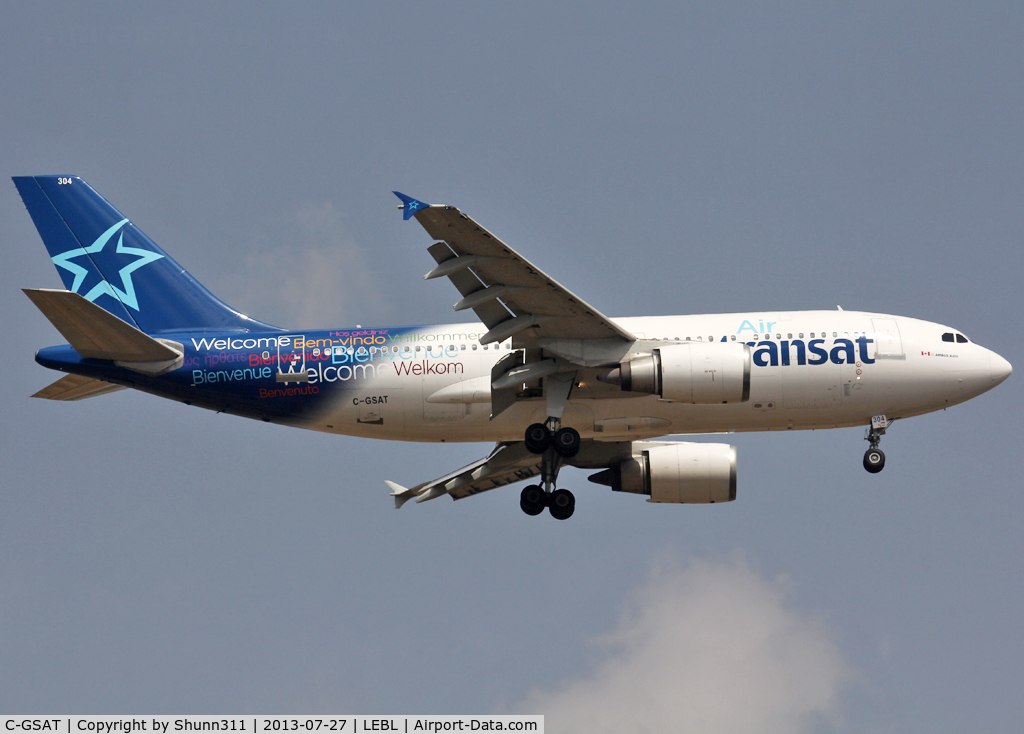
(489, 310)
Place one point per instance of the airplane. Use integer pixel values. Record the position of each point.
(543, 374)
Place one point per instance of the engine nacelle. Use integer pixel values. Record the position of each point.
(695, 372)
(680, 473)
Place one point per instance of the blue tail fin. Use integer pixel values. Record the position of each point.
(105, 258)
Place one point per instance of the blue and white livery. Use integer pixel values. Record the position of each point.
(542, 374)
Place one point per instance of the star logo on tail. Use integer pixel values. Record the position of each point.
(125, 294)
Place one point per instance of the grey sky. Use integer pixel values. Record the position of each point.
(659, 159)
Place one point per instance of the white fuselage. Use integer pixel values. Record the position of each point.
(433, 385)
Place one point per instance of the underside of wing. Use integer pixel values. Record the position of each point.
(508, 463)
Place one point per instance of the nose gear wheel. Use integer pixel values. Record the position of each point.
(874, 459)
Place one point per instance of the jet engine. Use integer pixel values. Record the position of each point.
(679, 473)
(696, 372)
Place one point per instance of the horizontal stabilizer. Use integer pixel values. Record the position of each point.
(76, 387)
(96, 334)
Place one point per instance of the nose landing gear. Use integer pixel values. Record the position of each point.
(874, 459)
(553, 443)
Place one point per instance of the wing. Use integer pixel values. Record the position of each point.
(511, 462)
(508, 463)
(513, 297)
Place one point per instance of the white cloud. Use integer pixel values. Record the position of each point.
(316, 278)
(710, 648)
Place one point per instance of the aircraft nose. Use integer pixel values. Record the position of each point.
(999, 368)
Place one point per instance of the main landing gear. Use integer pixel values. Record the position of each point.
(874, 459)
(553, 443)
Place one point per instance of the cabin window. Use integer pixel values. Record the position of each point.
(700, 338)
(474, 347)
(350, 349)
(961, 339)
(778, 336)
(948, 337)
(734, 337)
(801, 335)
(689, 339)
(677, 338)
(835, 334)
(711, 338)
(789, 336)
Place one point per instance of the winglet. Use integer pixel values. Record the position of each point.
(409, 205)
(400, 493)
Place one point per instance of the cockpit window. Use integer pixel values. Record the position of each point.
(947, 337)
(961, 339)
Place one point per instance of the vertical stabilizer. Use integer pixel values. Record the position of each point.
(109, 261)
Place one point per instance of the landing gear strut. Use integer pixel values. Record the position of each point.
(874, 459)
(553, 443)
